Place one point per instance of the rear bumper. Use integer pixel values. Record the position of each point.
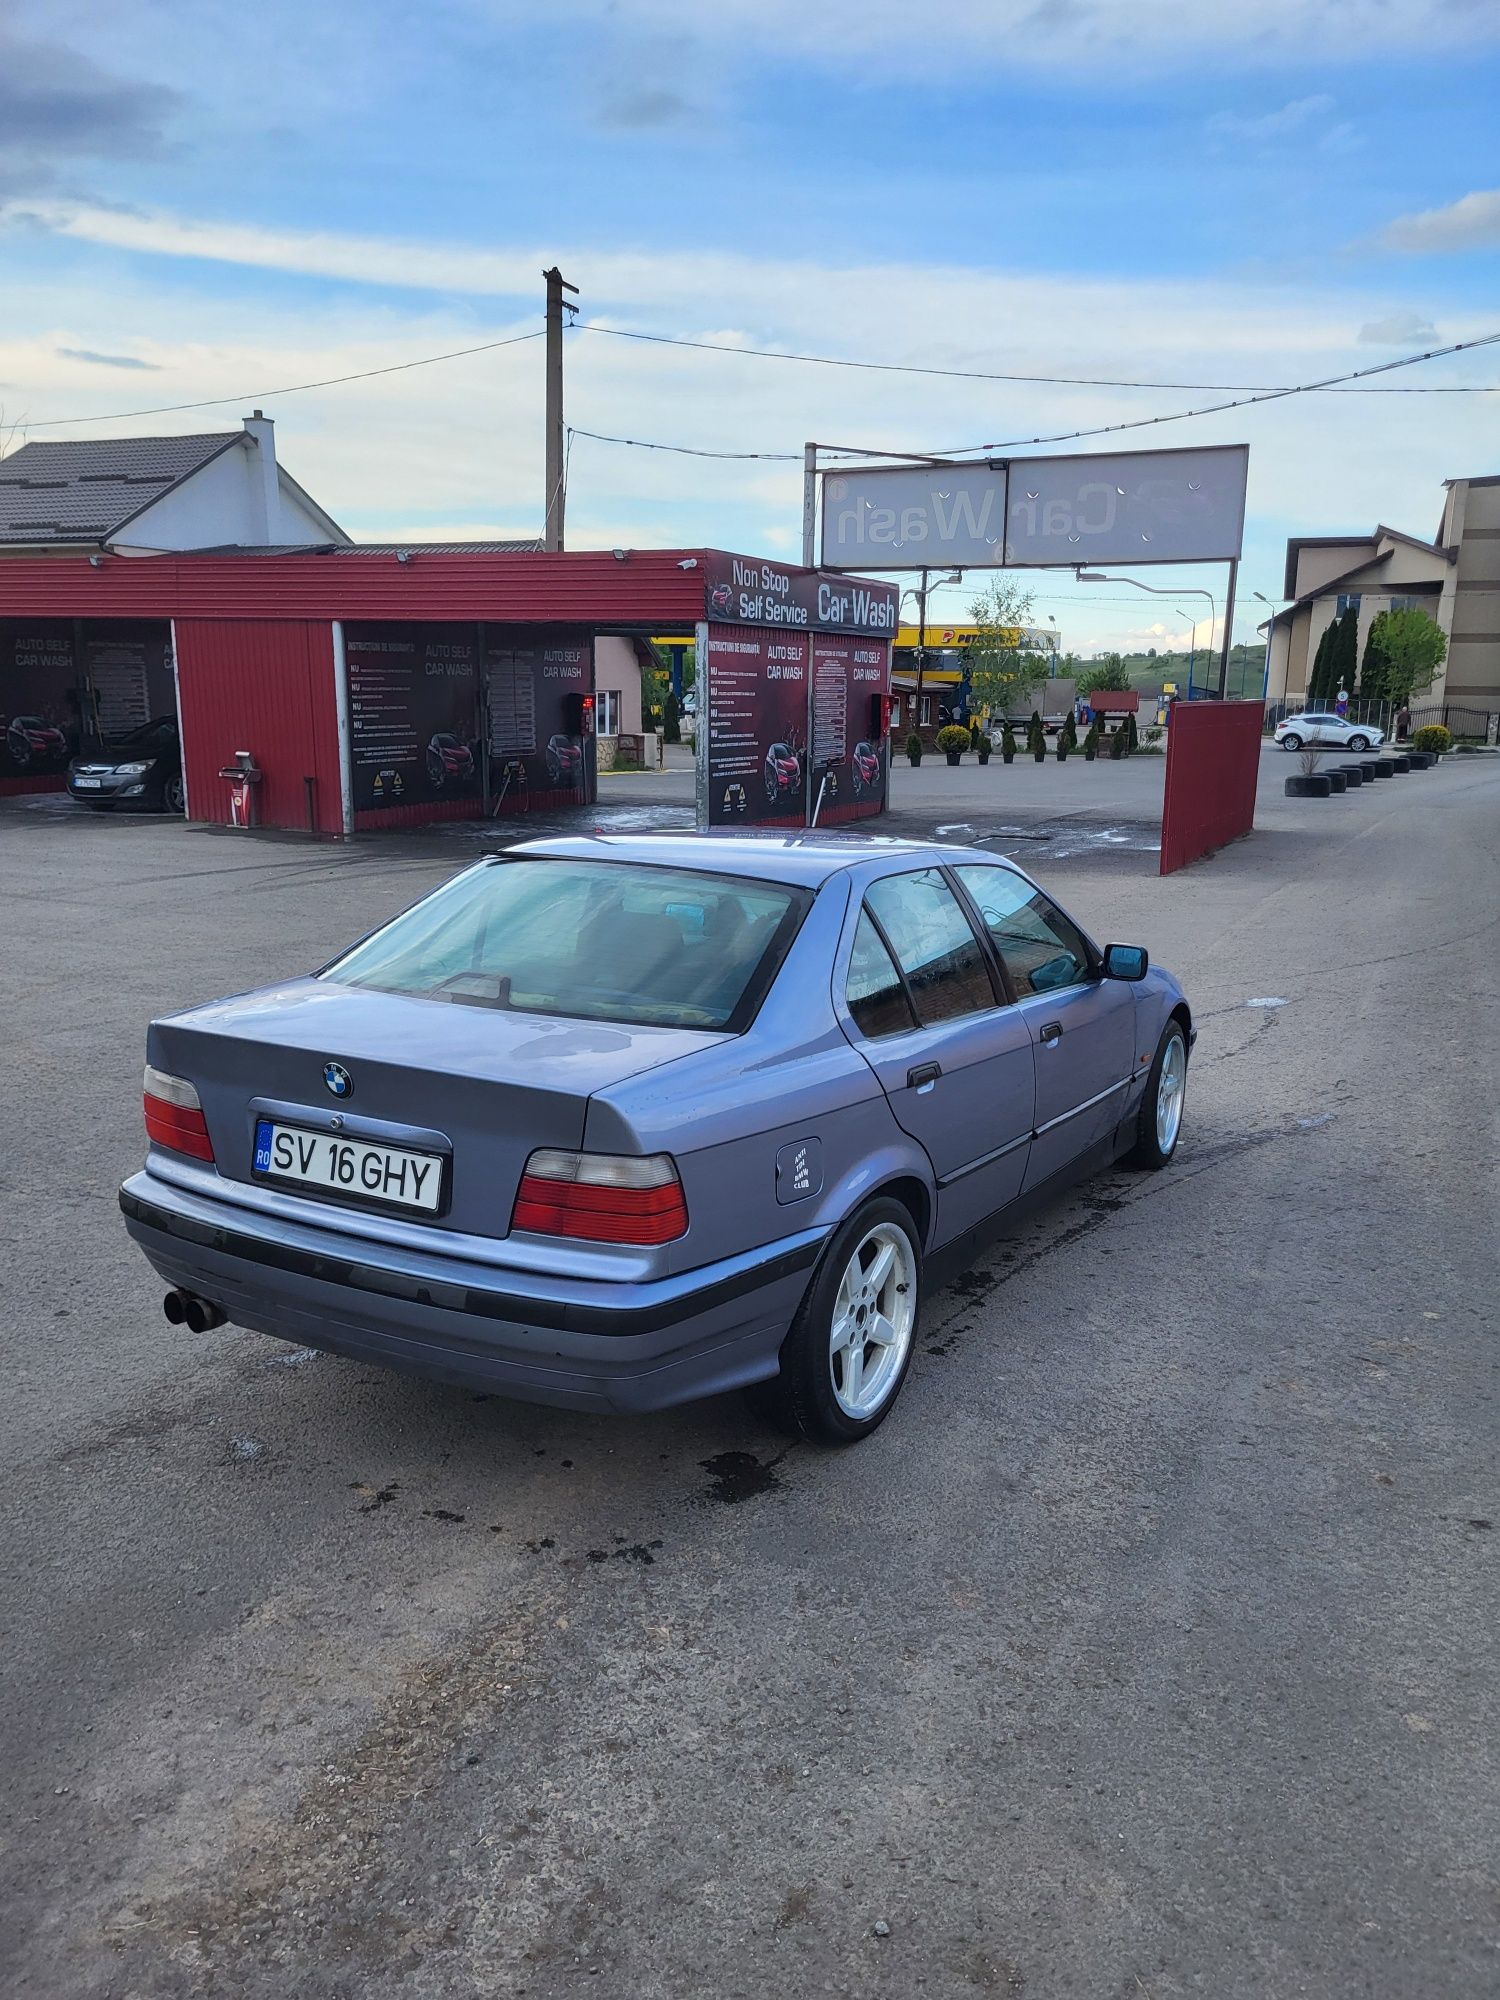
(581, 1345)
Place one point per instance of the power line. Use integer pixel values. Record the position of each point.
(295, 389)
(994, 375)
(1061, 437)
(1217, 409)
(684, 450)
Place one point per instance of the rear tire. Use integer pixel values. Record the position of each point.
(1158, 1124)
(845, 1359)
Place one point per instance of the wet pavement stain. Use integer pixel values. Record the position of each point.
(636, 1552)
(379, 1496)
(740, 1475)
(441, 1514)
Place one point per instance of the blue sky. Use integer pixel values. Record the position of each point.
(202, 200)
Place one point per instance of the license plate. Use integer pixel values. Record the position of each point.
(337, 1165)
(87, 784)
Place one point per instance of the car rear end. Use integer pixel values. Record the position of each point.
(437, 1187)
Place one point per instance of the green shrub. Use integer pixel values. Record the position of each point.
(1036, 737)
(953, 736)
(984, 747)
(914, 747)
(1069, 733)
(1132, 738)
(1007, 742)
(976, 735)
(1116, 745)
(1091, 740)
(1433, 737)
(671, 719)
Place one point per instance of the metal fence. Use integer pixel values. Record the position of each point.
(1462, 720)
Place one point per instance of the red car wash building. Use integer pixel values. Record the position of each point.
(388, 687)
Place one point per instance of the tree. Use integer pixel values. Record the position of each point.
(1106, 676)
(1375, 667)
(1132, 735)
(671, 719)
(1317, 680)
(1343, 657)
(1407, 648)
(1036, 737)
(1002, 673)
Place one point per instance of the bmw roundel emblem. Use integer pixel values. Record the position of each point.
(338, 1079)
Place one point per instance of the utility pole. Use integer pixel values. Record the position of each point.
(809, 506)
(916, 707)
(557, 284)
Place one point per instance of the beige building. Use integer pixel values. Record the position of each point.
(1455, 579)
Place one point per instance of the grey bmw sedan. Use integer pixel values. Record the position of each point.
(615, 1122)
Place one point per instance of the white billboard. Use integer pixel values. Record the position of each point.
(1033, 513)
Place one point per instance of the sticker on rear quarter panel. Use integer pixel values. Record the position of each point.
(799, 1170)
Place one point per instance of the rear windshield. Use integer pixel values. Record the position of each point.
(597, 940)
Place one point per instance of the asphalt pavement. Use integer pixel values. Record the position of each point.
(1148, 1649)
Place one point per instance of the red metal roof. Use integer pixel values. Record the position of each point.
(648, 588)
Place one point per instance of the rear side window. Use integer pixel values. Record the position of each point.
(875, 995)
(603, 941)
(934, 944)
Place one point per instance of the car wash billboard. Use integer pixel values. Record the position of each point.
(1039, 513)
(793, 665)
(538, 752)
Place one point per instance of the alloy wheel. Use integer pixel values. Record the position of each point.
(874, 1314)
(1171, 1086)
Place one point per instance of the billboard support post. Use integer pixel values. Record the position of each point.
(1234, 571)
(702, 723)
(809, 505)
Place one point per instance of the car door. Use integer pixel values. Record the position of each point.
(921, 1003)
(1082, 1026)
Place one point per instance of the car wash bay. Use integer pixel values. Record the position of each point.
(372, 688)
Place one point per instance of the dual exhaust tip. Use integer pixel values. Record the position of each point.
(197, 1315)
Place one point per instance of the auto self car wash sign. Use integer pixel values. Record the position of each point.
(795, 666)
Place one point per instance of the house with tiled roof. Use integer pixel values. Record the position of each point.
(138, 496)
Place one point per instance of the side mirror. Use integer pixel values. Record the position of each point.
(1126, 961)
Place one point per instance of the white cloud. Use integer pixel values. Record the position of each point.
(1400, 329)
(1270, 124)
(1471, 223)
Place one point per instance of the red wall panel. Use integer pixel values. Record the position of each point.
(1213, 761)
(265, 686)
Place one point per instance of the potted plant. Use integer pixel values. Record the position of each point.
(1036, 738)
(1116, 745)
(953, 740)
(914, 748)
(1091, 742)
(976, 735)
(984, 746)
(1008, 745)
(1067, 739)
(1310, 784)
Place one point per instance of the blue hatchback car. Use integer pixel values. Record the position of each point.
(615, 1122)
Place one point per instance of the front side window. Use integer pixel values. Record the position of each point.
(1041, 949)
(602, 941)
(934, 944)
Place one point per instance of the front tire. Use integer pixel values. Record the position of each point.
(1359, 742)
(1291, 741)
(1159, 1120)
(173, 798)
(846, 1356)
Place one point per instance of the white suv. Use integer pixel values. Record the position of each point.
(1336, 731)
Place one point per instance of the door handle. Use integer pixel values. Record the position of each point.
(1050, 1034)
(924, 1076)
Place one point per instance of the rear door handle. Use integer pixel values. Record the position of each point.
(1050, 1034)
(924, 1076)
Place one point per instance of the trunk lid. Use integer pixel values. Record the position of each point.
(482, 1084)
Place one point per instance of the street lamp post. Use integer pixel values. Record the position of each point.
(1185, 590)
(920, 593)
(1265, 672)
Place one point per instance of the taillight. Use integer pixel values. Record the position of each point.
(602, 1197)
(174, 1117)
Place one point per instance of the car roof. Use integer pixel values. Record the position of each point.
(806, 859)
